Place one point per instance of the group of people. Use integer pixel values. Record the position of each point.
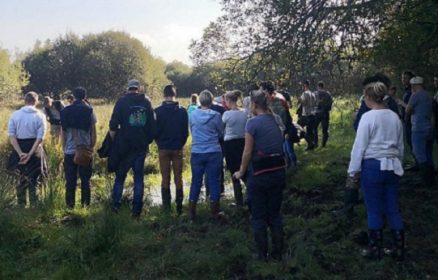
(255, 140)
(382, 124)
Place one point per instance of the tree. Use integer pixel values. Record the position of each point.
(12, 77)
(102, 63)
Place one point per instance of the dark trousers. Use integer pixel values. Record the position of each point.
(308, 122)
(266, 196)
(322, 118)
(71, 171)
(29, 175)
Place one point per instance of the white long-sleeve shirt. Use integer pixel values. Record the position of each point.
(379, 136)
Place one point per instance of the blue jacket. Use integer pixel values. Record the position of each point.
(172, 126)
(207, 128)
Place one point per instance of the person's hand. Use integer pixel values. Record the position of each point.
(237, 175)
(24, 159)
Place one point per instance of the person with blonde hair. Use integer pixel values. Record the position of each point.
(376, 157)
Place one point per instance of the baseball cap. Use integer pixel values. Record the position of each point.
(417, 80)
(133, 84)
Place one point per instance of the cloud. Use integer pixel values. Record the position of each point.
(170, 42)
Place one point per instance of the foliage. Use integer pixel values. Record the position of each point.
(12, 77)
(102, 63)
(333, 41)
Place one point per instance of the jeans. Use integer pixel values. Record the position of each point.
(266, 196)
(136, 163)
(324, 119)
(71, 175)
(380, 190)
(422, 144)
(171, 160)
(211, 165)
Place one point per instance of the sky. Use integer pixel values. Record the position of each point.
(165, 26)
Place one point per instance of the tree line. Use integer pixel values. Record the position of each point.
(337, 41)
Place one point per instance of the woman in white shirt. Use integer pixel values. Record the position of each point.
(376, 157)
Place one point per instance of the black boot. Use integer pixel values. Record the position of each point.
(398, 245)
(277, 243)
(261, 240)
(70, 197)
(85, 197)
(237, 188)
(178, 200)
(192, 210)
(166, 198)
(374, 248)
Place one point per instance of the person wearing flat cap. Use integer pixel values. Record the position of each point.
(419, 109)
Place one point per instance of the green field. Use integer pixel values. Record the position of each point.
(50, 242)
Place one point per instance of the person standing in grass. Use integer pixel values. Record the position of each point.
(132, 129)
(324, 102)
(52, 109)
(263, 156)
(420, 112)
(376, 157)
(207, 128)
(78, 122)
(26, 129)
(307, 100)
(171, 136)
(234, 139)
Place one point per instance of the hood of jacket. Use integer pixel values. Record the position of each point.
(203, 116)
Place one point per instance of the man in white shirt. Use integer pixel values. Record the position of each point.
(26, 129)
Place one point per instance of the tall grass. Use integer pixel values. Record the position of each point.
(51, 242)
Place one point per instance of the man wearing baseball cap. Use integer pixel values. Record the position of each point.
(132, 128)
(419, 109)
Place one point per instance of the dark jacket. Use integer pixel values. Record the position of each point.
(172, 126)
(133, 118)
(78, 115)
(389, 102)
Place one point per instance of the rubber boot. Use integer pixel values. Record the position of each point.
(70, 197)
(166, 198)
(237, 188)
(398, 244)
(261, 240)
(277, 236)
(374, 248)
(178, 200)
(85, 197)
(215, 210)
(192, 210)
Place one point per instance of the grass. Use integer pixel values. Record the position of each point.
(50, 242)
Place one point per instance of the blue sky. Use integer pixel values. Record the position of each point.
(165, 26)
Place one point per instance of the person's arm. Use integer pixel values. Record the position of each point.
(359, 147)
(115, 120)
(246, 156)
(185, 128)
(93, 135)
(63, 135)
(16, 146)
(151, 124)
(410, 107)
(400, 142)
